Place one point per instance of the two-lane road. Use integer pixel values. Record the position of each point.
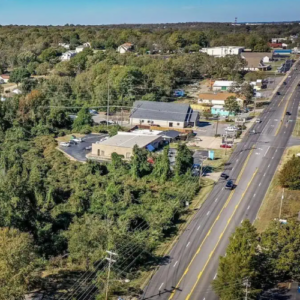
(193, 260)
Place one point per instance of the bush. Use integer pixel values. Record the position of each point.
(86, 130)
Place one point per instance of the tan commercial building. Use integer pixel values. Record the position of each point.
(123, 144)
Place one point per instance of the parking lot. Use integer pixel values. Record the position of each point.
(78, 151)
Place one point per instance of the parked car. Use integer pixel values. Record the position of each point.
(72, 142)
(88, 148)
(64, 144)
(93, 112)
(258, 120)
(78, 140)
(252, 131)
(231, 128)
(224, 176)
(229, 185)
(196, 171)
(227, 146)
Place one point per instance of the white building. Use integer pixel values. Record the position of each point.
(223, 51)
(82, 47)
(278, 40)
(66, 46)
(4, 78)
(17, 91)
(127, 47)
(224, 85)
(218, 98)
(68, 55)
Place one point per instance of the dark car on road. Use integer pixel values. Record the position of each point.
(229, 185)
(278, 93)
(284, 83)
(288, 113)
(223, 175)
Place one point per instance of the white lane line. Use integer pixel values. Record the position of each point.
(216, 200)
(264, 174)
(269, 165)
(175, 264)
(284, 132)
(232, 169)
(273, 157)
(208, 213)
(237, 160)
(215, 276)
(276, 150)
(254, 195)
(267, 151)
(161, 286)
(248, 207)
(198, 227)
(259, 184)
(222, 189)
(187, 244)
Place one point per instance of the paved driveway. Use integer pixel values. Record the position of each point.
(78, 151)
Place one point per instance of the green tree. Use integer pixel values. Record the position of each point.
(161, 169)
(48, 55)
(281, 246)
(24, 58)
(231, 105)
(184, 160)
(139, 163)
(18, 263)
(289, 176)
(87, 240)
(18, 75)
(83, 118)
(241, 263)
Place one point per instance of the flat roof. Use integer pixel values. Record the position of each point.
(218, 96)
(128, 140)
(223, 83)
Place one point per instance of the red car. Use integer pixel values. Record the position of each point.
(226, 146)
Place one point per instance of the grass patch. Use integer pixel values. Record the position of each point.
(221, 157)
(271, 204)
(296, 132)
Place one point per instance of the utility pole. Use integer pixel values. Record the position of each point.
(108, 96)
(110, 261)
(217, 125)
(246, 283)
(282, 197)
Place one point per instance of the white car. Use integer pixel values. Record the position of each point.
(78, 140)
(64, 144)
(88, 148)
(231, 128)
(258, 120)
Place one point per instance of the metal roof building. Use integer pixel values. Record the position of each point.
(163, 114)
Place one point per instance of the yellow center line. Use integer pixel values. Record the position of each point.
(215, 221)
(220, 237)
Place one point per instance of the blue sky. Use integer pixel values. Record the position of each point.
(60, 12)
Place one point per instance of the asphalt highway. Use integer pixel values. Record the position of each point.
(193, 261)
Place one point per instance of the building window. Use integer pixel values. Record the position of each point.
(98, 152)
(142, 121)
(149, 121)
(178, 124)
(170, 124)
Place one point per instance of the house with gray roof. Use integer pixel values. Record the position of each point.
(163, 114)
